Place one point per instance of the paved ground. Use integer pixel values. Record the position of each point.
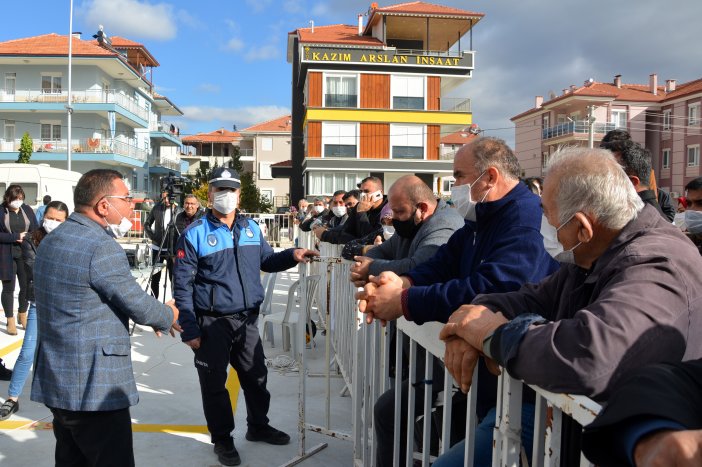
(169, 428)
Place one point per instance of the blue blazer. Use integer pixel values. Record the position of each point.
(85, 296)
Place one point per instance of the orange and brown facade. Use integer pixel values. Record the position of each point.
(372, 99)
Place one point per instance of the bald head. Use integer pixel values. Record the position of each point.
(414, 189)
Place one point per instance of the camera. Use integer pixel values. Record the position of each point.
(173, 185)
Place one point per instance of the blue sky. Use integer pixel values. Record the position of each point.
(223, 62)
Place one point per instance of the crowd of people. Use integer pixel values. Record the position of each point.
(584, 281)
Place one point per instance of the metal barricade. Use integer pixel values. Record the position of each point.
(361, 352)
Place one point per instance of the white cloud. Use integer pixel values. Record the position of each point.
(242, 117)
(131, 18)
(210, 88)
(293, 6)
(189, 20)
(234, 44)
(264, 52)
(258, 5)
(320, 10)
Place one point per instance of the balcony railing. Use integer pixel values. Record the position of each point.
(169, 163)
(247, 153)
(88, 96)
(87, 145)
(579, 127)
(457, 104)
(165, 127)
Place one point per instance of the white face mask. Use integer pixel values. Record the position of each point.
(693, 221)
(50, 224)
(226, 201)
(319, 209)
(388, 231)
(121, 229)
(339, 211)
(462, 198)
(553, 246)
(679, 220)
(16, 204)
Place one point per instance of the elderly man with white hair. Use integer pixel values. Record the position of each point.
(628, 293)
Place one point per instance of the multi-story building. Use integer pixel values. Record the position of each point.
(375, 99)
(116, 120)
(665, 119)
(269, 143)
(213, 148)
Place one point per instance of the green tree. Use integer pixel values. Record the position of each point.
(25, 152)
(201, 193)
(251, 199)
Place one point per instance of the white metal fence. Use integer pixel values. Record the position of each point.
(362, 355)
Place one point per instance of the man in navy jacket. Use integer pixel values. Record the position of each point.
(499, 249)
(217, 283)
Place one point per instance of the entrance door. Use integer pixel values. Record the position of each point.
(10, 87)
(8, 141)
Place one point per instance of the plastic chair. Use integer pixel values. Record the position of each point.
(268, 285)
(290, 318)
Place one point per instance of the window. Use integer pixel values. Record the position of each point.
(341, 91)
(266, 144)
(50, 131)
(10, 85)
(51, 83)
(666, 119)
(146, 183)
(544, 159)
(135, 181)
(665, 159)
(327, 183)
(9, 130)
(407, 92)
(447, 184)
(619, 118)
(693, 114)
(407, 141)
(267, 195)
(339, 139)
(31, 192)
(264, 171)
(693, 155)
(546, 121)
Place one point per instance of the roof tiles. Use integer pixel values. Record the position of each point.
(217, 136)
(52, 44)
(281, 124)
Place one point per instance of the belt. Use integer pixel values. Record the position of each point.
(237, 315)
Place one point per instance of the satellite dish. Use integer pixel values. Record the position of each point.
(589, 82)
(551, 95)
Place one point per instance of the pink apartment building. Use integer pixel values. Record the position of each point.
(664, 118)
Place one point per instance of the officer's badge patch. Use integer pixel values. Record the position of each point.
(181, 254)
(211, 240)
(249, 232)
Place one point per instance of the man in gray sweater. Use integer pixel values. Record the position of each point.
(422, 224)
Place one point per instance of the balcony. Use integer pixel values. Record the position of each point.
(247, 154)
(454, 104)
(44, 149)
(79, 97)
(163, 164)
(166, 132)
(578, 129)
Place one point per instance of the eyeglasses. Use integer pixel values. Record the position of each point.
(127, 198)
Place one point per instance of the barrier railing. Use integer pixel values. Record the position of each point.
(278, 229)
(362, 353)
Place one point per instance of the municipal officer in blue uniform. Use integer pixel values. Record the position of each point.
(218, 292)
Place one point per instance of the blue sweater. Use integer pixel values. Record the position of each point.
(499, 253)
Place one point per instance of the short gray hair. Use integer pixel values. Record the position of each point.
(593, 182)
(190, 195)
(494, 152)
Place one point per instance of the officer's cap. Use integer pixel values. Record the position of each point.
(224, 177)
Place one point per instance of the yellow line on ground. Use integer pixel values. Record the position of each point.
(10, 348)
(136, 427)
(233, 386)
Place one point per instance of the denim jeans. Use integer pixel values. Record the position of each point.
(26, 357)
(483, 441)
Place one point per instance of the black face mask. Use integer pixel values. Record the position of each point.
(406, 229)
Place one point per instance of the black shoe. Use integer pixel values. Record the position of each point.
(5, 374)
(267, 434)
(227, 453)
(8, 408)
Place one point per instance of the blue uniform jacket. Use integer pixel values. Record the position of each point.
(217, 270)
(500, 252)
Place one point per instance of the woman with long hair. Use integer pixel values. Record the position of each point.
(17, 219)
(56, 212)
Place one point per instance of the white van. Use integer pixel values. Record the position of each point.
(38, 180)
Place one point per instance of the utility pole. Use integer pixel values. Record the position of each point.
(590, 126)
(69, 105)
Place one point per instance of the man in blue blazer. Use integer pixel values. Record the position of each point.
(85, 297)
